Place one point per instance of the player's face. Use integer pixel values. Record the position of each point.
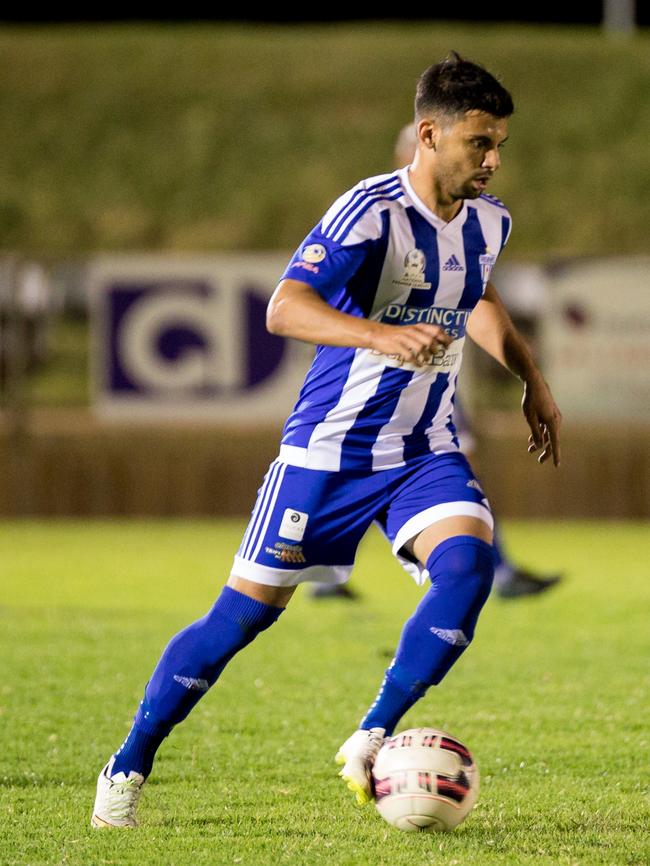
(467, 153)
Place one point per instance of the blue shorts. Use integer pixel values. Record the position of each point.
(307, 523)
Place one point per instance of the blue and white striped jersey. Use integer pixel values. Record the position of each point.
(379, 252)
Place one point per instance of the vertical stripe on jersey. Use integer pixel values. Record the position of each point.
(369, 274)
(455, 411)
(505, 228)
(416, 442)
(331, 367)
(475, 246)
(319, 394)
(452, 430)
(356, 448)
(426, 239)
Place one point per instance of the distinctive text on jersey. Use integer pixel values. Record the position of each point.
(453, 321)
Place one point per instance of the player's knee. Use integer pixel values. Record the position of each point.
(463, 566)
(232, 622)
(442, 627)
(238, 611)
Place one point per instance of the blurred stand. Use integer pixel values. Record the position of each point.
(25, 311)
(148, 385)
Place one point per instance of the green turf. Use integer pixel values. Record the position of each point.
(552, 699)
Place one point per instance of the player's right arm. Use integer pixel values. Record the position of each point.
(297, 310)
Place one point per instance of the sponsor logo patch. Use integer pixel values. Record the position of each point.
(453, 321)
(293, 524)
(307, 266)
(286, 552)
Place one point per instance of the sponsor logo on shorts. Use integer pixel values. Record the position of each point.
(286, 552)
(474, 485)
(293, 524)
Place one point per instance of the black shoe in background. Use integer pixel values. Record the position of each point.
(520, 582)
(336, 590)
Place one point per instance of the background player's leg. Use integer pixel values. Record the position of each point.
(333, 590)
(513, 581)
(192, 662)
(458, 554)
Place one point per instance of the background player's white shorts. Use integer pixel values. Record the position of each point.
(307, 523)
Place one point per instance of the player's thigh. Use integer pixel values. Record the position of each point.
(438, 498)
(423, 545)
(305, 526)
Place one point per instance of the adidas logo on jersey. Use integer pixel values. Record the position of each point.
(452, 264)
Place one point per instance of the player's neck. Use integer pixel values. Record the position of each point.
(430, 192)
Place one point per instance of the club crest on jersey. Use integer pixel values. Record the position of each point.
(414, 264)
(314, 253)
(486, 262)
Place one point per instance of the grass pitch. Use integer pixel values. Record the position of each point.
(551, 698)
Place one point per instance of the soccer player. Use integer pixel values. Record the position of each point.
(510, 580)
(370, 437)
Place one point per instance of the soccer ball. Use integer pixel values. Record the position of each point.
(425, 780)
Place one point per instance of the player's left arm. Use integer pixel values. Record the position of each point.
(492, 329)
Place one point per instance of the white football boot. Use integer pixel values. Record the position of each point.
(358, 754)
(117, 798)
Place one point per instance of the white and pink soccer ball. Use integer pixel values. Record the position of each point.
(425, 780)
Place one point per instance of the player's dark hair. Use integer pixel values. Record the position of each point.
(455, 86)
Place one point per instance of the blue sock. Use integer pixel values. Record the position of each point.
(461, 570)
(189, 665)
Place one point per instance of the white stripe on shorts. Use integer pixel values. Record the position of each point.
(269, 511)
(259, 510)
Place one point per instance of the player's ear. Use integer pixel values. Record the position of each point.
(427, 133)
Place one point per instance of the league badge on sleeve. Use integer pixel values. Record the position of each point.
(314, 253)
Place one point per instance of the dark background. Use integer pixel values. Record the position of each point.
(549, 12)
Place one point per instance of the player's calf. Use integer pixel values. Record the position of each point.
(442, 627)
(190, 664)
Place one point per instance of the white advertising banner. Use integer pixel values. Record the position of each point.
(596, 339)
(181, 337)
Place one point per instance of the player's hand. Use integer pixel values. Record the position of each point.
(544, 419)
(414, 344)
